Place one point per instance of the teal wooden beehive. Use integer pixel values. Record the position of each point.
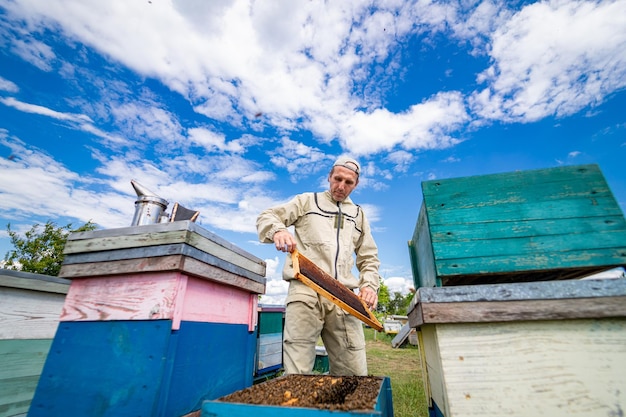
(548, 224)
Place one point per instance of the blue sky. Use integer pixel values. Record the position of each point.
(229, 107)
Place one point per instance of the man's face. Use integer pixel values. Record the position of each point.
(342, 182)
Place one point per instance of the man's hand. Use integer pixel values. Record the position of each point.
(284, 241)
(369, 296)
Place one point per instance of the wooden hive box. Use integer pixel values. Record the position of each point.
(547, 224)
(30, 306)
(550, 348)
(308, 395)
(157, 319)
(270, 340)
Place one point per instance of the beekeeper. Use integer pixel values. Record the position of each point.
(333, 232)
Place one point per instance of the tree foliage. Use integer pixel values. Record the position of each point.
(396, 304)
(40, 250)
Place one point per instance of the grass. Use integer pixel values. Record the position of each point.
(404, 369)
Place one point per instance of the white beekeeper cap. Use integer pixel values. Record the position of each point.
(350, 163)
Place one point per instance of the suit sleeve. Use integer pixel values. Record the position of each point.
(367, 261)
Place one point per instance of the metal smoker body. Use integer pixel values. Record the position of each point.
(149, 208)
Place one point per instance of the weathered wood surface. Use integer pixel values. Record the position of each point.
(402, 336)
(564, 220)
(34, 282)
(30, 304)
(22, 361)
(133, 297)
(147, 236)
(529, 368)
(169, 263)
(30, 307)
(209, 302)
(520, 301)
(421, 254)
(159, 251)
(158, 296)
(270, 351)
(142, 368)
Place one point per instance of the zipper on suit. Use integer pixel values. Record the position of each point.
(339, 225)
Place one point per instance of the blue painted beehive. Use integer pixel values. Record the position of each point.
(157, 319)
(286, 388)
(523, 226)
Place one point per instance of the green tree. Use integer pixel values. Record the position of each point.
(41, 251)
(383, 298)
(399, 304)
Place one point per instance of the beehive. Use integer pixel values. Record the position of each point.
(550, 348)
(157, 319)
(308, 395)
(547, 224)
(30, 305)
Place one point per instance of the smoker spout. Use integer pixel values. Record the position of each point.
(141, 190)
(149, 208)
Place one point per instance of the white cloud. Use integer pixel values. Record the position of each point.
(230, 59)
(554, 58)
(425, 126)
(212, 141)
(275, 287)
(37, 53)
(44, 111)
(398, 284)
(6, 85)
(35, 186)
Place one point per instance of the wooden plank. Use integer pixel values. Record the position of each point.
(548, 290)
(581, 259)
(506, 189)
(609, 241)
(422, 255)
(270, 351)
(157, 244)
(176, 263)
(565, 209)
(158, 251)
(107, 368)
(401, 337)
(210, 302)
(432, 368)
(531, 368)
(325, 285)
(200, 269)
(158, 296)
(572, 178)
(463, 232)
(33, 282)
(151, 296)
(211, 360)
(520, 301)
(22, 357)
(142, 368)
(22, 362)
(27, 314)
(15, 399)
(188, 232)
(501, 311)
